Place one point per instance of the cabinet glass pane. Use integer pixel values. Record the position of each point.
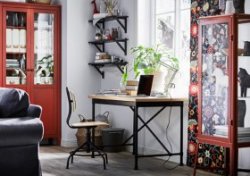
(16, 48)
(44, 48)
(244, 82)
(215, 81)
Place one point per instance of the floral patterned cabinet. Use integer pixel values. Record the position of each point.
(223, 103)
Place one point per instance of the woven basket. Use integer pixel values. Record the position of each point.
(40, 1)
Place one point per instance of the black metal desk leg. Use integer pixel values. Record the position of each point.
(93, 130)
(181, 134)
(135, 138)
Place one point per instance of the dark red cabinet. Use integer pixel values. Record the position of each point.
(222, 119)
(31, 57)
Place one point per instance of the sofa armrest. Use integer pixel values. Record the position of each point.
(34, 111)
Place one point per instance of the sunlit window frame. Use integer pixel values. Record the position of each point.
(177, 26)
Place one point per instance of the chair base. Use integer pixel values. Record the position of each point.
(91, 148)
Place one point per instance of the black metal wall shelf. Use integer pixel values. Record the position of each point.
(121, 20)
(100, 44)
(98, 66)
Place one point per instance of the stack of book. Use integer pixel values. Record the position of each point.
(102, 57)
(131, 87)
(12, 63)
(243, 132)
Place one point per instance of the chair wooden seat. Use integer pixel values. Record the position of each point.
(88, 124)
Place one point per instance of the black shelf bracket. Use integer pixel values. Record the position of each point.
(124, 26)
(100, 25)
(123, 48)
(120, 67)
(98, 66)
(99, 70)
(121, 20)
(100, 47)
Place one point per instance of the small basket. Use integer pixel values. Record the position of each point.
(40, 1)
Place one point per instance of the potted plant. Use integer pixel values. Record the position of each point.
(148, 60)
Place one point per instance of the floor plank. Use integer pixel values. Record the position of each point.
(53, 162)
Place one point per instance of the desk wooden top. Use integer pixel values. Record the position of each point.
(135, 98)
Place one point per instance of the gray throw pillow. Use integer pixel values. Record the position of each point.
(13, 102)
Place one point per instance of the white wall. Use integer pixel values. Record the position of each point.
(76, 53)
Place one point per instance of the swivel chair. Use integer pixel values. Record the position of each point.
(88, 125)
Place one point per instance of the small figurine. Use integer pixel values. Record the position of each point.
(239, 6)
(94, 7)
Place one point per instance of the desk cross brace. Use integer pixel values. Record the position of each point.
(145, 124)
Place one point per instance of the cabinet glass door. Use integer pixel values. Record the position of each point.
(215, 80)
(43, 48)
(16, 52)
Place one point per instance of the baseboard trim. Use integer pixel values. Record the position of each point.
(68, 143)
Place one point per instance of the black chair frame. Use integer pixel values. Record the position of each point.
(88, 145)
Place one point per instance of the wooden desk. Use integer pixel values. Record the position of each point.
(136, 102)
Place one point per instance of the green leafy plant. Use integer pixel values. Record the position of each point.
(148, 60)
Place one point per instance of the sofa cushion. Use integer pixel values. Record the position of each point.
(20, 131)
(13, 102)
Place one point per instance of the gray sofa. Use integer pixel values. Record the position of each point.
(21, 131)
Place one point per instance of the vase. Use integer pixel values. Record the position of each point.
(109, 11)
(239, 6)
(229, 7)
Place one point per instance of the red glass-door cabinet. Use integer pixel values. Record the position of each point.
(223, 102)
(31, 57)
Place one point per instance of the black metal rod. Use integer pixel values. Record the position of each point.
(125, 45)
(119, 67)
(181, 135)
(122, 25)
(98, 69)
(158, 140)
(122, 48)
(151, 131)
(243, 170)
(93, 129)
(158, 112)
(125, 21)
(135, 138)
(98, 47)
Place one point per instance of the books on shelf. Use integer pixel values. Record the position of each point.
(222, 131)
(102, 60)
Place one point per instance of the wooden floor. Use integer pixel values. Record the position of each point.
(53, 162)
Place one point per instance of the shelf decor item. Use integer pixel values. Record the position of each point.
(94, 7)
(239, 6)
(229, 7)
(246, 48)
(111, 5)
(40, 1)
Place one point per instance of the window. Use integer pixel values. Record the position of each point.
(167, 22)
(171, 25)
